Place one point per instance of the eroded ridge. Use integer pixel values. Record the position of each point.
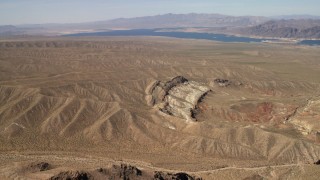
(177, 97)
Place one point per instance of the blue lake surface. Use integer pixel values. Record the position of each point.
(310, 42)
(186, 35)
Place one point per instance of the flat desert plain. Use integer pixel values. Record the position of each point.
(87, 107)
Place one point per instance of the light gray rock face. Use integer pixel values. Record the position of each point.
(178, 97)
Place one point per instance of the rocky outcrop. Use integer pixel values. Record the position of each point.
(124, 171)
(178, 97)
(158, 175)
(254, 177)
(38, 166)
(222, 82)
(305, 118)
(72, 175)
(317, 162)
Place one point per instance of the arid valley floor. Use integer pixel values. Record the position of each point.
(85, 104)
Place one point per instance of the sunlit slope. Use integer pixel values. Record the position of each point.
(75, 94)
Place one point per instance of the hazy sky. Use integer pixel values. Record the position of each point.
(64, 11)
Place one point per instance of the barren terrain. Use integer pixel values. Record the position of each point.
(80, 104)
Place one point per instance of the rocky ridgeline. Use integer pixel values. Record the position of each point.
(177, 97)
(123, 172)
(118, 172)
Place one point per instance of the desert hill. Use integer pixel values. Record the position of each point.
(90, 98)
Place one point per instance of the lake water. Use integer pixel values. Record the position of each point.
(186, 35)
(310, 42)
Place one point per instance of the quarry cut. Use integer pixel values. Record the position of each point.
(178, 97)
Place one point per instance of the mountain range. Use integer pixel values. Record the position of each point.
(293, 26)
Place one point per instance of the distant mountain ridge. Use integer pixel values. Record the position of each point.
(164, 21)
(286, 29)
(151, 22)
(7, 30)
(297, 16)
(185, 20)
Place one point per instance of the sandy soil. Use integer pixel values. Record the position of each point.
(80, 104)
